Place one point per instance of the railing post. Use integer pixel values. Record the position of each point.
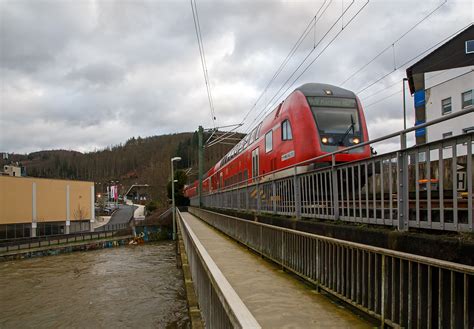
(296, 185)
(258, 198)
(335, 190)
(246, 196)
(274, 202)
(402, 184)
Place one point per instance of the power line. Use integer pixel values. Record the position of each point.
(293, 50)
(413, 59)
(314, 59)
(392, 45)
(395, 84)
(381, 90)
(383, 99)
(263, 111)
(399, 91)
(197, 28)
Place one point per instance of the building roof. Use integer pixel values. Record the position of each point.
(450, 55)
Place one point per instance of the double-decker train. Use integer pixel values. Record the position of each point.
(314, 120)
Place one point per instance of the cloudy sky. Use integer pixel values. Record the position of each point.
(83, 75)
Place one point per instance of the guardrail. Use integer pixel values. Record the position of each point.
(219, 304)
(112, 227)
(399, 289)
(426, 186)
(52, 240)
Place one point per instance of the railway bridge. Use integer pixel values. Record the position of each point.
(427, 188)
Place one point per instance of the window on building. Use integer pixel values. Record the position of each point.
(446, 106)
(268, 141)
(466, 99)
(286, 134)
(448, 134)
(468, 130)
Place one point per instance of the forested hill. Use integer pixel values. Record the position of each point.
(139, 160)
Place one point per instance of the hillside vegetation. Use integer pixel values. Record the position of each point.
(139, 160)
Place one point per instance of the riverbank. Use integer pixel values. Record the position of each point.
(68, 247)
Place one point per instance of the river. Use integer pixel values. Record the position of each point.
(127, 287)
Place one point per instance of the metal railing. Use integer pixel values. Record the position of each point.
(54, 240)
(219, 304)
(425, 186)
(112, 227)
(399, 289)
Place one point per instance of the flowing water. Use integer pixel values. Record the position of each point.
(128, 287)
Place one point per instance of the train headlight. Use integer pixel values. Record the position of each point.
(355, 140)
(324, 140)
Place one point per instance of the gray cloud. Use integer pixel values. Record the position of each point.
(87, 74)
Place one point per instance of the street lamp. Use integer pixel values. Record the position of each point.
(172, 195)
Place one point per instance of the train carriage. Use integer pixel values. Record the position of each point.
(314, 120)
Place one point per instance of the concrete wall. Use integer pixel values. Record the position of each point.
(29, 200)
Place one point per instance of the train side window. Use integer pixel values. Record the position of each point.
(253, 135)
(286, 133)
(258, 130)
(269, 141)
(255, 168)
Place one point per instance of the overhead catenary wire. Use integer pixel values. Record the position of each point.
(398, 82)
(293, 50)
(392, 45)
(265, 109)
(412, 59)
(399, 91)
(197, 27)
(224, 136)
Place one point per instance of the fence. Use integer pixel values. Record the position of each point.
(112, 227)
(52, 240)
(426, 186)
(220, 306)
(396, 288)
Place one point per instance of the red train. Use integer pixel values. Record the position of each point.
(313, 120)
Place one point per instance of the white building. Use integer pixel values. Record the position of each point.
(442, 83)
(9, 170)
(447, 92)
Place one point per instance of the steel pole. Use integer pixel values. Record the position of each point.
(404, 106)
(172, 198)
(200, 164)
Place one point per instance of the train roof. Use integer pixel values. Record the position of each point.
(321, 89)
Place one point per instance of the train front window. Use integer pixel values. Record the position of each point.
(337, 119)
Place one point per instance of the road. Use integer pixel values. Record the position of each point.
(122, 215)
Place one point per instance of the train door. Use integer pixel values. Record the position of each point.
(255, 163)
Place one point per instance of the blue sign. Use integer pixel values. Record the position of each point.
(419, 98)
(422, 131)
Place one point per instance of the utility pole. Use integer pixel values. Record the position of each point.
(201, 162)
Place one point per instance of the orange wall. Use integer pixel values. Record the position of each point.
(16, 199)
(80, 200)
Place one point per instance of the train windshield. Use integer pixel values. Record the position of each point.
(335, 115)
